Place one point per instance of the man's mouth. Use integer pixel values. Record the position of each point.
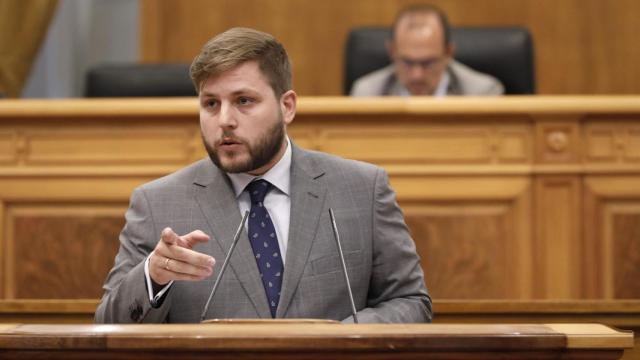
(228, 143)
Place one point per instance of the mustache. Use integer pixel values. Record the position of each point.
(229, 137)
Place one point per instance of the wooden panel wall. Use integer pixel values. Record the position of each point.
(60, 250)
(581, 46)
(507, 198)
(474, 242)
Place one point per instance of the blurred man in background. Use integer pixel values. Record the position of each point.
(422, 61)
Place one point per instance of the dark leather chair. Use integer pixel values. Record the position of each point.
(127, 80)
(504, 52)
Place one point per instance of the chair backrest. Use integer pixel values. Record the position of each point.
(504, 52)
(127, 80)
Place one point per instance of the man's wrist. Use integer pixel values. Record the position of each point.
(157, 292)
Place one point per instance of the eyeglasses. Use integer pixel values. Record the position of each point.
(425, 64)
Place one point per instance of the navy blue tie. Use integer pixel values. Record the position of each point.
(264, 241)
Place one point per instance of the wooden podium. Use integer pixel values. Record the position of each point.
(537, 197)
(273, 340)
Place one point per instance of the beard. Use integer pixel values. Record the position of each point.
(261, 152)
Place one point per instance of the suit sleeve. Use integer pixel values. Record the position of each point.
(397, 292)
(126, 298)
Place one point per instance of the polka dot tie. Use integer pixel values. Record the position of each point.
(264, 242)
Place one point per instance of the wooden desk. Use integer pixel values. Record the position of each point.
(619, 314)
(312, 341)
(507, 198)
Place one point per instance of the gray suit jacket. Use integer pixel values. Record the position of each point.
(384, 269)
(463, 81)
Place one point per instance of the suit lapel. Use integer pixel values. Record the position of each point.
(217, 201)
(307, 201)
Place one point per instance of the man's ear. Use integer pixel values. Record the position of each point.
(390, 48)
(450, 50)
(288, 103)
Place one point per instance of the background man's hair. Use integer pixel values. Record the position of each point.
(236, 46)
(424, 9)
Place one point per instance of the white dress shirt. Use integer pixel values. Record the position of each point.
(277, 201)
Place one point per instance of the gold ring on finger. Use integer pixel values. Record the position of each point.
(166, 264)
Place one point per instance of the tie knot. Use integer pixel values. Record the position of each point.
(258, 190)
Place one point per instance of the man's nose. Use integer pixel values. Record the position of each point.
(416, 71)
(227, 117)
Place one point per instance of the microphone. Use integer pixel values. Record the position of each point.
(344, 265)
(224, 264)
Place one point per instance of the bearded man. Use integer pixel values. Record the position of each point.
(286, 263)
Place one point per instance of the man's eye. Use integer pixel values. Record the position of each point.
(244, 101)
(210, 103)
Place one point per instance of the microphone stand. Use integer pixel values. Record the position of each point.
(344, 265)
(224, 265)
(233, 245)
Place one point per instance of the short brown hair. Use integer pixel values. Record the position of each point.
(236, 46)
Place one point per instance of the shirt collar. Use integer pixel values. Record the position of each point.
(278, 175)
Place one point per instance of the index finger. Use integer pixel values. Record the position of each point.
(192, 238)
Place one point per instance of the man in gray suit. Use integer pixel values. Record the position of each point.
(286, 264)
(423, 64)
